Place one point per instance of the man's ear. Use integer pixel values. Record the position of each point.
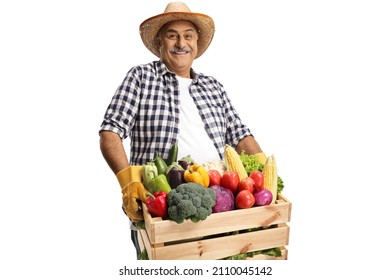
(158, 41)
(158, 44)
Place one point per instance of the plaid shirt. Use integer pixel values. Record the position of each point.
(146, 108)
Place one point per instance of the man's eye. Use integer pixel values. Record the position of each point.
(172, 36)
(188, 37)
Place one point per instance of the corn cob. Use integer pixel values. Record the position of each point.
(234, 163)
(271, 177)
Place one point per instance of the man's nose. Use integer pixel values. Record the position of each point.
(180, 42)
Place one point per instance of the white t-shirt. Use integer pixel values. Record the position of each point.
(193, 138)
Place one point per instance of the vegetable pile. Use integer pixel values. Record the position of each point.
(184, 189)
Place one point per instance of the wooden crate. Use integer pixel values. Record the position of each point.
(213, 238)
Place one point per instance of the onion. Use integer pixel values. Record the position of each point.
(263, 197)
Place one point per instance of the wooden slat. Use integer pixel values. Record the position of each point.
(141, 241)
(146, 243)
(161, 231)
(221, 247)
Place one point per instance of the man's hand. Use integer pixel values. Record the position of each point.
(133, 191)
(132, 194)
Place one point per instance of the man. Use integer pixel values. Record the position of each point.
(166, 101)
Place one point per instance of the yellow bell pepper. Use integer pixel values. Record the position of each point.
(197, 174)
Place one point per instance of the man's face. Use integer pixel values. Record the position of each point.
(178, 46)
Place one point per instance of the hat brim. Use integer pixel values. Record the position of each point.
(150, 28)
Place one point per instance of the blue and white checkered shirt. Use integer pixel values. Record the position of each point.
(146, 108)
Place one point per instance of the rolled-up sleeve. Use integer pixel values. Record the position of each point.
(122, 111)
(235, 130)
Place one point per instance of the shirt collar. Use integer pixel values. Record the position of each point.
(162, 70)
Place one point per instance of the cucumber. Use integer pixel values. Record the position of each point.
(160, 164)
(172, 156)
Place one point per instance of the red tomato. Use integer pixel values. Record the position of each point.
(215, 177)
(230, 180)
(258, 177)
(246, 184)
(244, 199)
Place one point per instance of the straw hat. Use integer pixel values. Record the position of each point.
(177, 11)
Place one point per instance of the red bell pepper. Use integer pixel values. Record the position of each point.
(157, 204)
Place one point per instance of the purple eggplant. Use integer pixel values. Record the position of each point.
(175, 177)
(186, 162)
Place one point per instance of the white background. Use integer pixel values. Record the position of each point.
(310, 78)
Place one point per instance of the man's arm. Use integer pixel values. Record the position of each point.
(249, 145)
(113, 151)
(129, 177)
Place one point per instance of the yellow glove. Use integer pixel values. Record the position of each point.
(133, 191)
(132, 173)
(262, 157)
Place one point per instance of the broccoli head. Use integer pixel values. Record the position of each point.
(190, 201)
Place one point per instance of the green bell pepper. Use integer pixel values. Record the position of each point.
(152, 181)
(149, 173)
(160, 184)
